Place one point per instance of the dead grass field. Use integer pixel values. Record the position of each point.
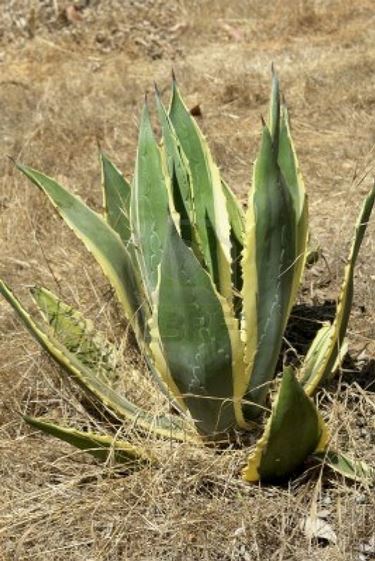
(73, 78)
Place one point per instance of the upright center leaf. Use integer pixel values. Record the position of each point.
(149, 204)
(195, 338)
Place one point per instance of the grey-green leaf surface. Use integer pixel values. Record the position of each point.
(209, 198)
(195, 338)
(149, 204)
(274, 113)
(270, 255)
(116, 192)
(180, 174)
(293, 431)
(288, 163)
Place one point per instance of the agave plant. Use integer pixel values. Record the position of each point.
(207, 289)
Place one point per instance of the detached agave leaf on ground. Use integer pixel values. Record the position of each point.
(345, 466)
(207, 291)
(99, 446)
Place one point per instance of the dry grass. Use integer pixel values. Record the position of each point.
(63, 89)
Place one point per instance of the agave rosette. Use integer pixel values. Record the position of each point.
(208, 290)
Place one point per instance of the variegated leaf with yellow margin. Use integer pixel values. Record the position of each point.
(289, 166)
(321, 359)
(268, 272)
(150, 205)
(162, 425)
(345, 466)
(237, 231)
(294, 430)
(101, 241)
(200, 343)
(211, 215)
(116, 194)
(116, 200)
(102, 447)
(287, 160)
(181, 180)
(78, 334)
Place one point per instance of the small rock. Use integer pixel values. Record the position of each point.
(100, 37)
(369, 547)
(317, 528)
(327, 500)
(360, 499)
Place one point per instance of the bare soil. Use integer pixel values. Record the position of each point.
(73, 75)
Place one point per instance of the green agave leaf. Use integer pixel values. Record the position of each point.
(116, 191)
(316, 372)
(268, 272)
(289, 166)
(149, 204)
(294, 430)
(162, 425)
(180, 174)
(195, 338)
(352, 469)
(117, 196)
(103, 242)
(287, 160)
(99, 446)
(77, 334)
(208, 195)
(315, 353)
(274, 112)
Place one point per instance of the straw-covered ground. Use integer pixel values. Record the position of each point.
(72, 76)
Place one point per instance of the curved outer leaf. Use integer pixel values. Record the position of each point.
(288, 163)
(116, 191)
(117, 195)
(268, 269)
(209, 198)
(103, 242)
(196, 339)
(352, 469)
(77, 334)
(163, 425)
(149, 204)
(97, 445)
(316, 373)
(294, 430)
